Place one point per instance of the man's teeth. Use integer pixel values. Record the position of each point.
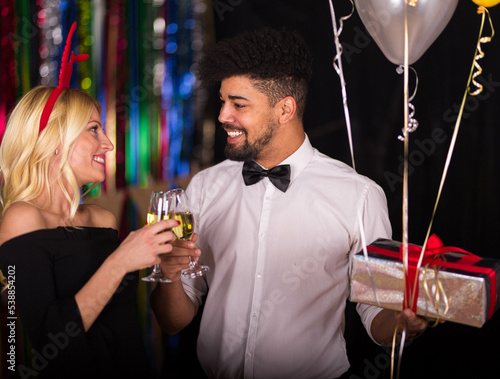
(235, 134)
(99, 159)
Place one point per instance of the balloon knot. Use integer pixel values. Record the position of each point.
(481, 9)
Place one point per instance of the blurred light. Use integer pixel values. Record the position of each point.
(159, 25)
(187, 84)
(86, 83)
(201, 7)
(43, 51)
(172, 28)
(190, 23)
(57, 36)
(44, 70)
(171, 47)
(53, 21)
(89, 41)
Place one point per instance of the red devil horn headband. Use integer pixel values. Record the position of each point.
(64, 77)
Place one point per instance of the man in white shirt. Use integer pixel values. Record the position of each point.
(278, 241)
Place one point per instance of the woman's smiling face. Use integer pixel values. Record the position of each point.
(87, 158)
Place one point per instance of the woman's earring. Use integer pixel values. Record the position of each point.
(57, 151)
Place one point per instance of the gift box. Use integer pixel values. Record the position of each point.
(453, 285)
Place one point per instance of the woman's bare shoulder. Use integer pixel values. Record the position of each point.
(20, 218)
(98, 216)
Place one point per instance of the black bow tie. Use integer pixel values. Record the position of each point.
(279, 175)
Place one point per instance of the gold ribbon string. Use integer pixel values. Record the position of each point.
(437, 297)
(482, 10)
(405, 201)
(393, 351)
(405, 163)
(439, 290)
(479, 52)
(337, 65)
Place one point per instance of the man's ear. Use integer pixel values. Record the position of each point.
(287, 108)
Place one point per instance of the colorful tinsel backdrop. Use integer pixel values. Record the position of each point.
(140, 69)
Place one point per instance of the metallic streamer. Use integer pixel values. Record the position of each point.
(110, 94)
(178, 88)
(132, 137)
(7, 63)
(85, 42)
(51, 41)
(337, 64)
(457, 123)
(142, 93)
(122, 114)
(25, 32)
(479, 52)
(412, 122)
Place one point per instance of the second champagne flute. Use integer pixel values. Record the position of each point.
(157, 211)
(179, 209)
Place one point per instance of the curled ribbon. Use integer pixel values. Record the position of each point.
(435, 256)
(478, 55)
(479, 52)
(438, 292)
(431, 256)
(337, 65)
(412, 121)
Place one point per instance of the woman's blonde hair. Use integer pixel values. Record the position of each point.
(26, 154)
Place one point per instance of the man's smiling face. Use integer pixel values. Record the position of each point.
(247, 118)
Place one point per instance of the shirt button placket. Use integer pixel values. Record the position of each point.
(258, 291)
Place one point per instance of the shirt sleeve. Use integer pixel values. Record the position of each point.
(53, 325)
(372, 223)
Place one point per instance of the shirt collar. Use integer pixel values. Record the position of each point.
(300, 158)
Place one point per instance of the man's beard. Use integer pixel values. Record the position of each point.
(249, 152)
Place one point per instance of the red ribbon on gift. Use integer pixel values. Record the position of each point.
(432, 255)
(435, 248)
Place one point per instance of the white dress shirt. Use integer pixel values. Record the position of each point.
(278, 278)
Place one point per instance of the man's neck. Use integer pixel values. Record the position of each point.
(278, 154)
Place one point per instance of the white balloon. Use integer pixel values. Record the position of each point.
(385, 21)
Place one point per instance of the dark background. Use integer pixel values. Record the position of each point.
(467, 215)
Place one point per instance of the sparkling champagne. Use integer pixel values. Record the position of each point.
(156, 210)
(186, 228)
(151, 218)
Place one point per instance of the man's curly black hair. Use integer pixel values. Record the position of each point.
(277, 60)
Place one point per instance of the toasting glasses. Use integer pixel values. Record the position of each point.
(179, 209)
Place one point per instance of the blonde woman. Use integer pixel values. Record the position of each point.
(74, 281)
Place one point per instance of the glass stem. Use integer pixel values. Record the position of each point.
(192, 263)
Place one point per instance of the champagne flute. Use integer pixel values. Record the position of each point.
(157, 211)
(178, 209)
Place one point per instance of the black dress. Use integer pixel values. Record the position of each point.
(50, 267)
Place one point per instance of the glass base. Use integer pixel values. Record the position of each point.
(156, 278)
(194, 272)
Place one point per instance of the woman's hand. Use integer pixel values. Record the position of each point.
(142, 248)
